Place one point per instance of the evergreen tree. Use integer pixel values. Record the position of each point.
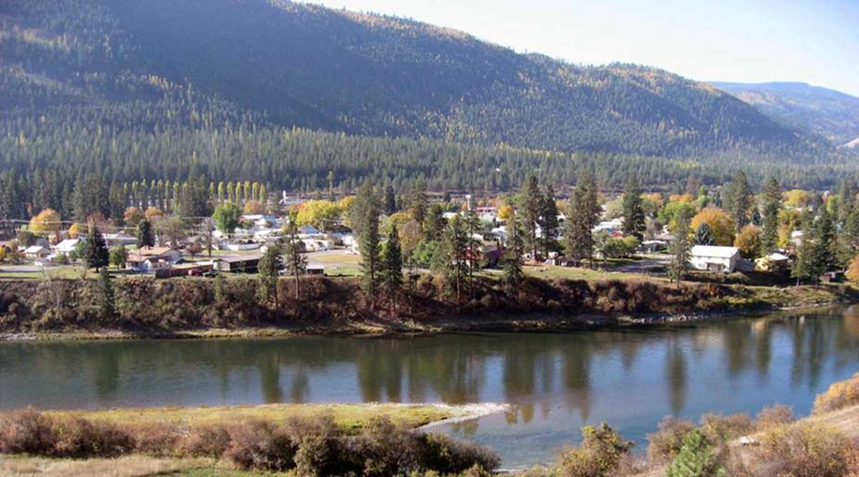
(511, 261)
(390, 205)
(695, 459)
(741, 199)
(435, 223)
(296, 261)
(220, 286)
(806, 266)
(145, 237)
(549, 222)
(532, 208)
(633, 210)
(106, 301)
(269, 268)
(772, 197)
(703, 234)
(680, 250)
(392, 264)
(418, 201)
(454, 255)
(369, 240)
(825, 244)
(331, 195)
(95, 253)
(582, 216)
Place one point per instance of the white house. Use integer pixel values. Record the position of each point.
(714, 258)
(67, 246)
(36, 251)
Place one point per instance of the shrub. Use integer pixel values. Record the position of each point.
(204, 441)
(260, 445)
(81, 438)
(386, 448)
(600, 453)
(802, 450)
(159, 439)
(318, 446)
(446, 455)
(776, 415)
(665, 444)
(695, 458)
(838, 396)
(26, 432)
(721, 429)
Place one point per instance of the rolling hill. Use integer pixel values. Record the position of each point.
(150, 66)
(829, 113)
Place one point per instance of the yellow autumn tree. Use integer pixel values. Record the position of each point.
(47, 222)
(153, 214)
(505, 213)
(749, 241)
(796, 198)
(76, 230)
(852, 273)
(721, 225)
(321, 214)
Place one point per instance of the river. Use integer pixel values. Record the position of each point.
(555, 382)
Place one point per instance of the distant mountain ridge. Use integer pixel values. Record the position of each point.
(284, 64)
(829, 113)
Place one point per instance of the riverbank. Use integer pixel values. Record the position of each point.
(304, 439)
(192, 308)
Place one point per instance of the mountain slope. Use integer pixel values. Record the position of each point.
(277, 63)
(829, 113)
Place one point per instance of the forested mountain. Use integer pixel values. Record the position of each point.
(310, 67)
(829, 113)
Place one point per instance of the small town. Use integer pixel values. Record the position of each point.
(313, 238)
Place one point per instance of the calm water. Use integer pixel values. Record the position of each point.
(555, 382)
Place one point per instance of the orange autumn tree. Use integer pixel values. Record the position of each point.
(47, 222)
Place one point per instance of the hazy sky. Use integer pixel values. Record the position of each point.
(814, 41)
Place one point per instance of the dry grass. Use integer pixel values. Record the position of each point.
(129, 466)
(348, 416)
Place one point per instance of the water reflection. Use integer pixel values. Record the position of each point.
(554, 382)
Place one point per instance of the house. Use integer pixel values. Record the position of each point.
(148, 259)
(36, 251)
(67, 246)
(652, 246)
(774, 262)
(238, 263)
(115, 240)
(713, 258)
(308, 231)
(315, 269)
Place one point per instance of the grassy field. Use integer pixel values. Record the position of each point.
(549, 272)
(349, 416)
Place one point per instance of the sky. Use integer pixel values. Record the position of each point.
(812, 41)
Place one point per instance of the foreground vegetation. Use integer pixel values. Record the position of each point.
(361, 440)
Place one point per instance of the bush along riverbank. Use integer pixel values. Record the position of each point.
(206, 307)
